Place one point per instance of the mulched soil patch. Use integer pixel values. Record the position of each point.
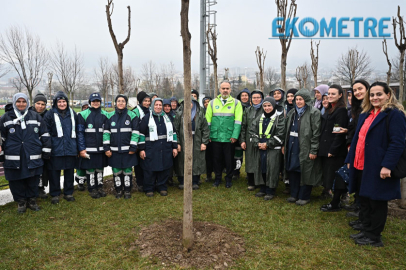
(215, 246)
(108, 186)
(395, 210)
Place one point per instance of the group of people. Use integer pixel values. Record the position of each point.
(285, 136)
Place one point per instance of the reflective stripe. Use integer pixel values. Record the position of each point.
(294, 134)
(45, 135)
(8, 123)
(125, 147)
(101, 148)
(1, 153)
(223, 114)
(12, 157)
(112, 148)
(209, 124)
(237, 122)
(90, 130)
(126, 130)
(106, 142)
(101, 129)
(91, 149)
(193, 133)
(136, 132)
(113, 130)
(46, 150)
(142, 134)
(133, 143)
(107, 131)
(277, 139)
(159, 138)
(278, 147)
(35, 157)
(141, 142)
(33, 122)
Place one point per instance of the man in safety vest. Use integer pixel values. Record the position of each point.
(224, 116)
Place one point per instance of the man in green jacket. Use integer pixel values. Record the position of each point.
(224, 116)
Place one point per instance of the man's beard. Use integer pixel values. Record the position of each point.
(225, 96)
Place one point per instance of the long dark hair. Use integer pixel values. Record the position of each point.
(392, 102)
(340, 102)
(356, 105)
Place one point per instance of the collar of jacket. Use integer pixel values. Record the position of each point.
(230, 99)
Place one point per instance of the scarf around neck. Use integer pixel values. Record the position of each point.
(59, 125)
(300, 111)
(153, 132)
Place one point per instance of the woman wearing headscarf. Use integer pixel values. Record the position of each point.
(301, 147)
(278, 94)
(25, 143)
(201, 135)
(40, 107)
(267, 134)
(120, 141)
(325, 104)
(144, 103)
(247, 145)
(290, 96)
(333, 149)
(158, 144)
(61, 122)
(376, 148)
(92, 159)
(171, 114)
(174, 104)
(245, 98)
(209, 150)
(319, 91)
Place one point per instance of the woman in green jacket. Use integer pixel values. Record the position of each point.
(201, 135)
(248, 117)
(267, 134)
(301, 147)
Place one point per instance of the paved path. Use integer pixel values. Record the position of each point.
(6, 197)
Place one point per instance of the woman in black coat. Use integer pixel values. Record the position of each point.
(378, 143)
(333, 150)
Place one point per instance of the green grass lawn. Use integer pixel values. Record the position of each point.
(97, 234)
(3, 181)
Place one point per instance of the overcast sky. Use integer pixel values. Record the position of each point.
(155, 35)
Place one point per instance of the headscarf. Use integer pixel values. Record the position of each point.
(153, 107)
(20, 113)
(126, 102)
(245, 104)
(323, 110)
(282, 95)
(322, 88)
(259, 105)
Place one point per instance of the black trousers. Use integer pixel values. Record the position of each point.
(265, 189)
(24, 189)
(251, 179)
(55, 182)
(363, 201)
(223, 155)
(44, 177)
(209, 159)
(139, 175)
(376, 215)
(155, 180)
(296, 190)
(329, 167)
(195, 179)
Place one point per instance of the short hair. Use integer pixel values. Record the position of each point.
(225, 81)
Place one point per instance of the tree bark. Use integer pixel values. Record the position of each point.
(283, 70)
(401, 78)
(187, 127)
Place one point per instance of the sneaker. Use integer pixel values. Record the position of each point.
(329, 208)
(268, 197)
(251, 188)
(260, 194)
(81, 187)
(69, 198)
(94, 194)
(195, 187)
(22, 206)
(149, 194)
(163, 193)
(291, 199)
(302, 202)
(101, 191)
(32, 204)
(55, 200)
(127, 195)
(181, 186)
(119, 194)
(42, 194)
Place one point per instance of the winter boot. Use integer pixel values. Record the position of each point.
(32, 204)
(22, 206)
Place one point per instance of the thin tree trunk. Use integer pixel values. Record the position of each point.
(187, 128)
(30, 94)
(283, 70)
(120, 74)
(215, 81)
(401, 79)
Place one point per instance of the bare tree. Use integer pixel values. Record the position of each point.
(148, 71)
(282, 11)
(196, 81)
(396, 67)
(18, 84)
(68, 69)
(129, 79)
(401, 45)
(302, 75)
(260, 55)
(187, 127)
(315, 60)
(157, 82)
(25, 53)
(353, 65)
(102, 73)
(118, 46)
(4, 70)
(299, 77)
(50, 75)
(272, 78)
(171, 76)
(212, 51)
(385, 52)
